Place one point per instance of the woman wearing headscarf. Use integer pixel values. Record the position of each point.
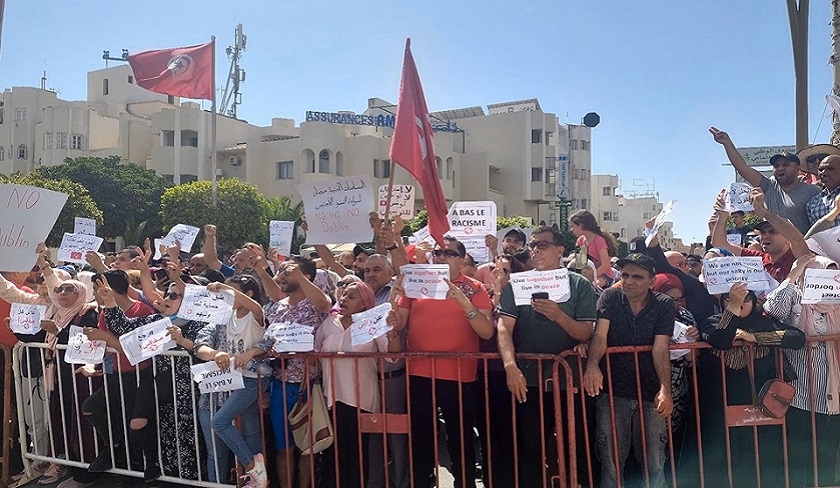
(740, 334)
(671, 285)
(351, 385)
(817, 369)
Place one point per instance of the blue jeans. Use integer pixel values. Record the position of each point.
(628, 426)
(243, 404)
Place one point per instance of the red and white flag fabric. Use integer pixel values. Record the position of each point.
(182, 71)
(412, 146)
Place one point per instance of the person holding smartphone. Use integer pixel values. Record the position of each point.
(542, 327)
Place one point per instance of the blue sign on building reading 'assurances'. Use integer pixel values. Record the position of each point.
(378, 120)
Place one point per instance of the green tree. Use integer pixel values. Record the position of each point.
(239, 215)
(79, 202)
(126, 193)
(282, 208)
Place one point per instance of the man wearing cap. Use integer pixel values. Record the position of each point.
(632, 315)
(512, 242)
(786, 195)
(822, 203)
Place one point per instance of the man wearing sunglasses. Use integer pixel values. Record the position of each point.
(543, 327)
(453, 325)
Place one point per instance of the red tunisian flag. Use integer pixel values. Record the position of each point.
(412, 146)
(182, 71)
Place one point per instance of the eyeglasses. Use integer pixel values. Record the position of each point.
(541, 245)
(172, 295)
(64, 289)
(450, 253)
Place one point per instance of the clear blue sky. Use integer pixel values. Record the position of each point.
(658, 72)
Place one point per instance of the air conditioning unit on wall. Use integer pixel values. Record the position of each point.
(235, 161)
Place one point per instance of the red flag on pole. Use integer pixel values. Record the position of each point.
(182, 72)
(412, 146)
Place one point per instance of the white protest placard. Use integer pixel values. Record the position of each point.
(27, 215)
(292, 337)
(147, 341)
(422, 235)
(83, 225)
(821, 286)
(204, 305)
(280, 236)
(476, 248)
(722, 273)
(402, 201)
(826, 243)
(74, 247)
(555, 282)
(25, 318)
(370, 324)
(472, 219)
(183, 234)
(158, 243)
(338, 210)
(425, 280)
(660, 219)
(80, 350)
(737, 198)
(735, 239)
(212, 379)
(679, 336)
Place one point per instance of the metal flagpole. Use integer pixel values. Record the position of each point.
(213, 121)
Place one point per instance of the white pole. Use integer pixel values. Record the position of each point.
(213, 122)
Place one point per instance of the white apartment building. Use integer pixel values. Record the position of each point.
(509, 153)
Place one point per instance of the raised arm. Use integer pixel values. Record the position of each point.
(240, 300)
(748, 173)
(718, 220)
(209, 248)
(327, 257)
(827, 221)
(782, 226)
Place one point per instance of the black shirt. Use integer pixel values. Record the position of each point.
(657, 318)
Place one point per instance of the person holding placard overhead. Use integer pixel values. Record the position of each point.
(787, 196)
(542, 327)
(452, 325)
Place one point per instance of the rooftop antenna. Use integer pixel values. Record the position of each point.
(106, 55)
(44, 81)
(231, 96)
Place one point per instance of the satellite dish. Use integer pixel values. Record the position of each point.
(591, 119)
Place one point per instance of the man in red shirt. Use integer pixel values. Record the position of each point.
(452, 325)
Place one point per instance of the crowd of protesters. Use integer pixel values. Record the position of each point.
(488, 418)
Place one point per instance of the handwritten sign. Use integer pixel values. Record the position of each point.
(472, 219)
(337, 210)
(660, 219)
(821, 286)
(158, 243)
(183, 234)
(204, 305)
(735, 239)
(80, 350)
(737, 197)
(722, 273)
(422, 235)
(212, 379)
(476, 248)
(425, 280)
(84, 226)
(27, 214)
(147, 341)
(679, 336)
(555, 282)
(370, 324)
(280, 236)
(74, 247)
(402, 201)
(292, 337)
(25, 318)
(826, 243)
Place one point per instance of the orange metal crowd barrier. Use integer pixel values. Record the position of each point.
(475, 433)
